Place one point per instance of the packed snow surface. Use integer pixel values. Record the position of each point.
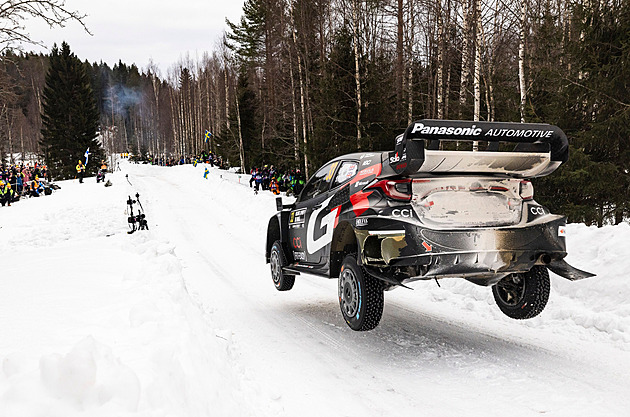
(183, 319)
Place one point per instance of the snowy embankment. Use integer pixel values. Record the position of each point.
(183, 319)
(98, 322)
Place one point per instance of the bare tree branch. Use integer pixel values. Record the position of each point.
(13, 14)
(621, 103)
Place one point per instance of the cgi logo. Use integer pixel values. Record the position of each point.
(297, 243)
(537, 210)
(401, 212)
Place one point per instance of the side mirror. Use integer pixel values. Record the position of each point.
(279, 203)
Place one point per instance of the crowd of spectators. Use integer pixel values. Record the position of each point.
(22, 180)
(264, 178)
(276, 181)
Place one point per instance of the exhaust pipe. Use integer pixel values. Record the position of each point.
(543, 259)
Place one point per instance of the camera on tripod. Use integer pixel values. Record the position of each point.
(137, 221)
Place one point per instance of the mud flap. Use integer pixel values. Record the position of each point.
(565, 270)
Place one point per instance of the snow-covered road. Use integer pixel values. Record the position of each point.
(189, 318)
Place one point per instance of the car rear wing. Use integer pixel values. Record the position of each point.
(540, 148)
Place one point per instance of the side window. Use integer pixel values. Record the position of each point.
(347, 170)
(320, 182)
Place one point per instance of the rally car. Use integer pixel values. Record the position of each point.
(452, 200)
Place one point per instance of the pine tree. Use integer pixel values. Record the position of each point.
(70, 117)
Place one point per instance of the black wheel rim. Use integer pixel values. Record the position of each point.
(349, 293)
(276, 268)
(511, 289)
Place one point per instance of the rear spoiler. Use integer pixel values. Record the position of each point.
(540, 148)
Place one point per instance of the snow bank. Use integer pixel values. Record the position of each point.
(99, 322)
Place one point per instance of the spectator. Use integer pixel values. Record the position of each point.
(80, 171)
(6, 193)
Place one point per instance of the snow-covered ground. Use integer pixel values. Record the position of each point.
(183, 319)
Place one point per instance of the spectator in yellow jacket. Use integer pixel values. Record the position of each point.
(6, 193)
(80, 171)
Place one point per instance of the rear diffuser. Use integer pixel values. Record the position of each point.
(567, 271)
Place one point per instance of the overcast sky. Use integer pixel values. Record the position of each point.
(136, 31)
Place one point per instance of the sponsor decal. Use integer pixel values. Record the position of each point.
(297, 243)
(297, 216)
(562, 231)
(406, 212)
(361, 222)
(360, 184)
(299, 256)
(396, 158)
(477, 131)
(318, 221)
(367, 162)
(537, 210)
(399, 139)
(296, 226)
(369, 171)
(527, 133)
(401, 166)
(443, 130)
(367, 155)
(331, 171)
(427, 247)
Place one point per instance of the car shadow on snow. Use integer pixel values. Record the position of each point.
(411, 339)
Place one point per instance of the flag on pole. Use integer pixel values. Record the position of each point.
(87, 154)
(205, 174)
(208, 136)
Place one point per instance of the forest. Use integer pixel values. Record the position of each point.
(296, 82)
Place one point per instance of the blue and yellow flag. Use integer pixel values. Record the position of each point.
(195, 163)
(208, 136)
(205, 174)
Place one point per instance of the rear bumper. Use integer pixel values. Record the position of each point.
(480, 255)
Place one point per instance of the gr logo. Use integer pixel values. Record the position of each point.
(537, 210)
(401, 212)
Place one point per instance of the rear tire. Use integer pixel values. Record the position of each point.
(523, 296)
(360, 296)
(278, 260)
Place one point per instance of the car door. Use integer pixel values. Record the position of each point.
(311, 224)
